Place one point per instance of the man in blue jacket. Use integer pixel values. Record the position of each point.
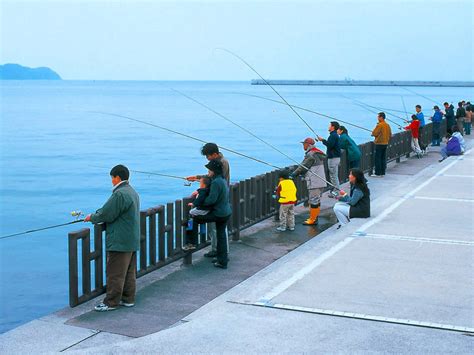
(121, 215)
(437, 118)
(333, 153)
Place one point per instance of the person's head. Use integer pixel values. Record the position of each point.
(342, 130)
(356, 177)
(283, 174)
(446, 105)
(333, 126)
(381, 116)
(119, 173)
(463, 102)
(418, 108)
(204, 182)
(436, 108)
(308, 143)
(460, 104)
(214, 167)
(210, 151)
(414, 117)
(454, 128)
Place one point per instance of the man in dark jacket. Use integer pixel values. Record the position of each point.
(220, 213)
(449, 114)
(333, 153)
(121, 214)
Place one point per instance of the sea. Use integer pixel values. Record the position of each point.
(56, 152)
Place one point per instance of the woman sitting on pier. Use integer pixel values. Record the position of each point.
(357, 203)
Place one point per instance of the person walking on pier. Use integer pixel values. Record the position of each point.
(211, 152)
(449, 114)
(333, 153)
(414, 128)
(382, 133)
(357, 203)
(218, 200)
(121, 215)
(286, 194)
(312, 165)
(460, 115)
(347, 143)
(437, 118)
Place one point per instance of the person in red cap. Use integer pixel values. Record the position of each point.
(312, 165)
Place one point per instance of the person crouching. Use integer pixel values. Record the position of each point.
(286, 194)
(357, 203)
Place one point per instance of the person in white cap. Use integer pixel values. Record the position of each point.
(312, 165)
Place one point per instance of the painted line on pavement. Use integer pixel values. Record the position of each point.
(459, 176)
(414, 239)
(443, 199)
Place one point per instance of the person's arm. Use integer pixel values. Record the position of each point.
(376, 131)
(308, 162)
(352, 200)
(111, 210)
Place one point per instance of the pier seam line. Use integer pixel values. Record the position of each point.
(82, 340)
(414, 239)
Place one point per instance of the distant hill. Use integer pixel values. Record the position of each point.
(19, 72)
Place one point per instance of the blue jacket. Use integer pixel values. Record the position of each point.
(421, 118)
(437, 117)
(332, 144)
(453, 147)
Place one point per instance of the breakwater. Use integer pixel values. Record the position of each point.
(365, 83)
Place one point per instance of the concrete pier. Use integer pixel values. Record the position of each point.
(400, 281)
(366, 83)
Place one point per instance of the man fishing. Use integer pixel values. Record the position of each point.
(211, 152)
(121, 214)
(382, 133)
(333, 152)
(312, 167)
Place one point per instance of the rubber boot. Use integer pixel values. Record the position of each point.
(313, 216)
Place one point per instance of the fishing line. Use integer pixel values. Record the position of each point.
(361, 103)
(41, 229)
(404, 107)
(414, 92)
(305, 109)
(253, 135)
(267, 83)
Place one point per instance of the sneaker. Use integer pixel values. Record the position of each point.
(211, 254)
(188, 247)
(291, 229)
(376, 176)
(102, 307)
(339, 226)
(281, 229)
(219, 265)
(125, 304)
(441, 160)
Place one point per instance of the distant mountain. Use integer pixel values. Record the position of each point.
(19, 72)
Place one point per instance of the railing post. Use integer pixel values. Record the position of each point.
(235, 190)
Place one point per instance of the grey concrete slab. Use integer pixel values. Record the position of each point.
(436, 219)
(164, 303)
(449, 187)
(399, 279)
(40, 337)
(99, 339)
(232, 328)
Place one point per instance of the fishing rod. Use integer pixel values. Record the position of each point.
(305, 109)
(414, 92)
(152, 173)
(184, 135)
(267, 83)
(76, 214)
(254, 135)
(361, 103)
(404, 107)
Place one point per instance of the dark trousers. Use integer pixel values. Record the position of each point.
(380, 159)
(221, 224)
(354, 164)
(121, 272)
(436, 139)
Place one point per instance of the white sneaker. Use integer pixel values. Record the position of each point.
(102, 307)
(281, 229)
(291, 229)
(125, 304)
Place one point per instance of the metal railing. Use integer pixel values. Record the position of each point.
(163, 228)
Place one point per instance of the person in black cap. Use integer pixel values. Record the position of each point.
(218, 200)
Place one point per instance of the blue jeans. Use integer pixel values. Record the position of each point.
(467, 128)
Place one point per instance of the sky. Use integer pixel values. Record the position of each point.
(176, 40)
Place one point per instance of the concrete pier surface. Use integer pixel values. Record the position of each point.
(401, 281)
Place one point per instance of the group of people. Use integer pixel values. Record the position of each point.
(211, 205)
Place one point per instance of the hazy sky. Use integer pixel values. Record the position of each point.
(175, 40)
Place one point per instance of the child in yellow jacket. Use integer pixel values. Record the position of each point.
(286, 194)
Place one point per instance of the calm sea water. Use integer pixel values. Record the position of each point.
(51, 144)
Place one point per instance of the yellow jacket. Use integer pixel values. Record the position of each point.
(287, 191)
(382, 133)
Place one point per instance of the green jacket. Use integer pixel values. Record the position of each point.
(218, 197)
(353, 151)
(121, 214)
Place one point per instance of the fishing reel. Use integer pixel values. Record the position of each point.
(77, 214)
(188, 183)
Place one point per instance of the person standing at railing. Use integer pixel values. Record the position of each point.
(347, 143)
(382, 133)
(460, 115)
(121, 215)
(437, 118)
(211, 152)
(468, 119)
(311, 167)
(333, 153)
(415, 131)
(286, 195)
(218, 201)
(449, 114)
(421, 118)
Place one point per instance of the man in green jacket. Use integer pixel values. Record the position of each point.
(121, 215)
